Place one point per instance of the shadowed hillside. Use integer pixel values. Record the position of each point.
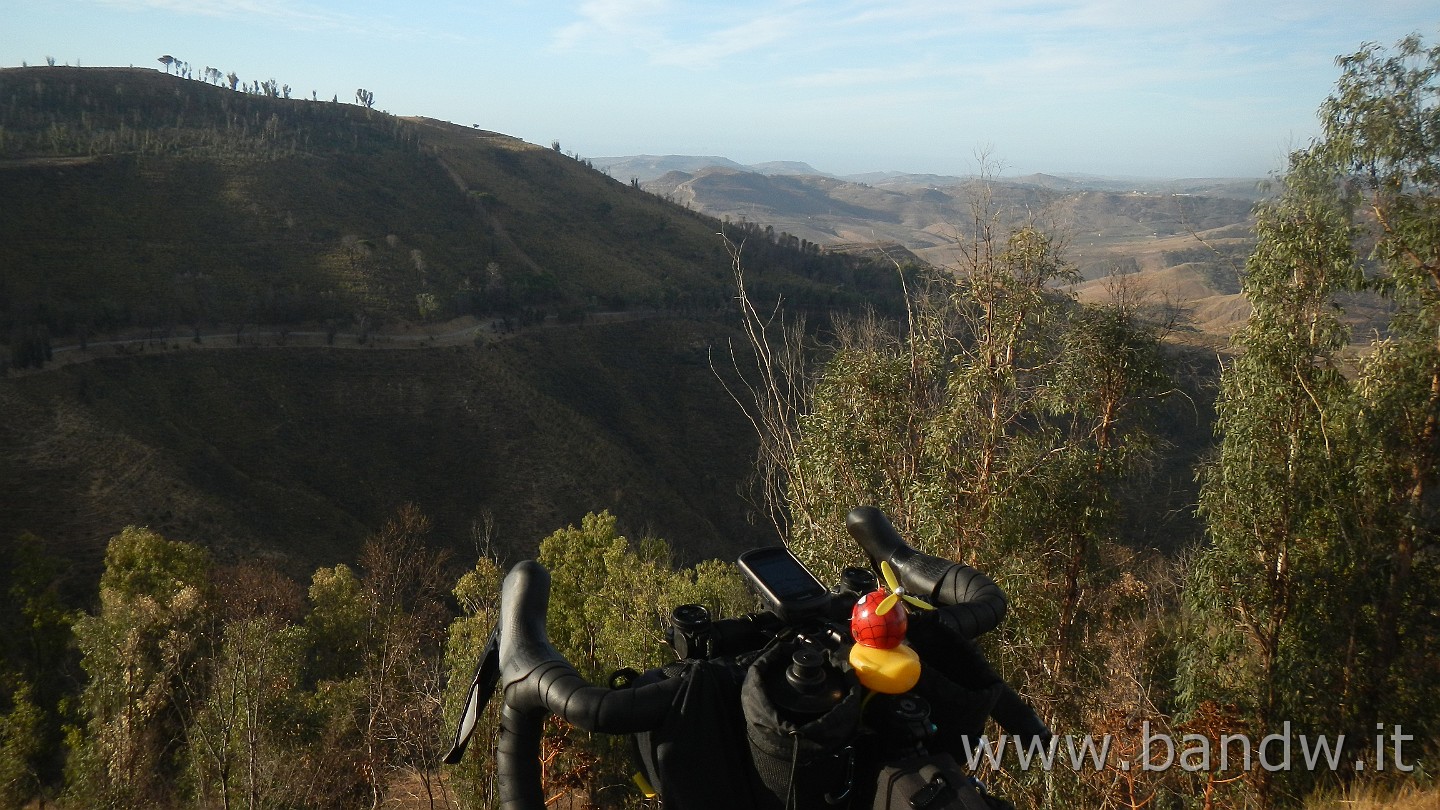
(135, 199)
(295, 454)
(144, 205)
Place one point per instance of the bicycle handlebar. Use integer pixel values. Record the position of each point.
(536, 680)
(967, 601)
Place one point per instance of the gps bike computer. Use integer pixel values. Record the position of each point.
(784, 584)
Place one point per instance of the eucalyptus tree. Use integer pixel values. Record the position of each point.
(139, 650)
(1316, 600)
(1382, 136)
(1275, 498)
(995, 426)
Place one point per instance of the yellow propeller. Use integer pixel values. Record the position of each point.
(896, 592)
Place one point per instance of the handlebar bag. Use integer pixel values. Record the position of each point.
(799, 761)
(929, 783)
(698, 759)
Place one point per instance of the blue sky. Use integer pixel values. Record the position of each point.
(1147, 88)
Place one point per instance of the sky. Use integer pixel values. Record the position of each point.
(1147, 88)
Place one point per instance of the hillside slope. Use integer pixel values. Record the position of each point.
(139, 199)
(296, 454)
(138, 203)
(1183, 231)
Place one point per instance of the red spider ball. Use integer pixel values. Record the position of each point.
(877, 631)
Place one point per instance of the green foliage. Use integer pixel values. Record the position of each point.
(478, 594)
(1005, 407)
(402, 668)
(1275, 482)
(242, 734)
(139, 651)
(142, 566)
(1381, 133)
(20, 745)
(1275, 499)
(227, 687)
(241, 740)
(1309, 603)
(332, 710)
(610, 600)
(36, 667)
(336, 623)
(999, 429)
(219, 693)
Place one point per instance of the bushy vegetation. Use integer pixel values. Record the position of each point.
(1002, 423)
(232, 686)
(1315, 590)
(999, 426)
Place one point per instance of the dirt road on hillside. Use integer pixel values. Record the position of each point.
(466, 331)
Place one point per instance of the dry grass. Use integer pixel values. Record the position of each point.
(1379, 798)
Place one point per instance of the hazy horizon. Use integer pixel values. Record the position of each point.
(601, 163)
(1206, 89)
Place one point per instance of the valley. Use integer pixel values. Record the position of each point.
(263, 324)
(270, 322)
(1183, 242)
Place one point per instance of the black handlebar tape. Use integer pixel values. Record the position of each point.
(534, 675)
(517, 759)
(536, 679)
(968, 602)
(972, 603)
(1017, 717)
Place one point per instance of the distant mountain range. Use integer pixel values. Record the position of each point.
(650, 167)
(1181, 240)
(922, 212)
(647, 168)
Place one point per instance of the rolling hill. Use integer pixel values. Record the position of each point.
(1185, 239)
(645, 168)
(145, 214)
(150, 221)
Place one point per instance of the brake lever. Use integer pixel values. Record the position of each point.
(482, 686)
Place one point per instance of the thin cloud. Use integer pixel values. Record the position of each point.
(611, 23)
(672, 35)
(1071, 49)
(285, 14)
(713, 48)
